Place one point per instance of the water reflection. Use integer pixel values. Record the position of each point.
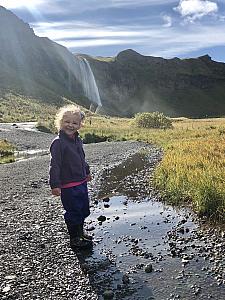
(22, 155)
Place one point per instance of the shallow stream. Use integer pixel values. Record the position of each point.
(145, 249)
(19, 155)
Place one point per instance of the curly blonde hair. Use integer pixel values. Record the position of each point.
(73, 109)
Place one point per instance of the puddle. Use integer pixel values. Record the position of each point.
(23, 155)
(30, 126)
(136, 234)
(146, 220)
(140, 234)
(20, 155)
(119, 179)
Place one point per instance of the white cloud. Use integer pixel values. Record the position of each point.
(121, 3)
(165, 38)
(97, 42)
(179, 42)
(167, 21)
(59, 31)
(10, 4)
(192, 10)
(78, 6)
(150, 40)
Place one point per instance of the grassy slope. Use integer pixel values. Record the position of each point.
(19, 108)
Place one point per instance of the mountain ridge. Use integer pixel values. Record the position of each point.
(193, 87)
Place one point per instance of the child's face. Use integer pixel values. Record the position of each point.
(70, 123)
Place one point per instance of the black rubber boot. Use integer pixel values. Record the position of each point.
(84, 234)
(77, 241)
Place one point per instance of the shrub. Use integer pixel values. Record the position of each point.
(43, 128)
(46, 126)
(89, 138)
(152, 120)
(221, 130)
(6, 148)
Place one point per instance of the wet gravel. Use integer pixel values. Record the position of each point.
(37, 263)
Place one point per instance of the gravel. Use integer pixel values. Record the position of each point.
(36, 262)
(186, 262)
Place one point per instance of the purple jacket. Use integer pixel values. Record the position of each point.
(67, 162)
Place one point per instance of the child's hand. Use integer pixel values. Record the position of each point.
(89, 178)
(56, 192)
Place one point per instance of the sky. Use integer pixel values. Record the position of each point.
(163, 28)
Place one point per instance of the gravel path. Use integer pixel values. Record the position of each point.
(36, 262)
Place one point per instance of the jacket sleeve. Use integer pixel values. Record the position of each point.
(55, 164)
(87, 168)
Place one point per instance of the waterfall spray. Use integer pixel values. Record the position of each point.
(86, 77)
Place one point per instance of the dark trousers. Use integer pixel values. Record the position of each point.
(75, 201)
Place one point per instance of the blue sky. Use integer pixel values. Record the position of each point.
(182, 28)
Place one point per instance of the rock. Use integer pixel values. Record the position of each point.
(10, 277)
(173, 252)
(91, 228)
(108, 294)
(101, 218)
(6, 289)
(148, 268)
(181, 230)
(107, 199)
(125, 279)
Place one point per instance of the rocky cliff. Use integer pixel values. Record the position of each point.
(131, 82)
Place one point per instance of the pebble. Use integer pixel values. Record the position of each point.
(101, 218)
(148, 268)
(6, 289)
(108, 294)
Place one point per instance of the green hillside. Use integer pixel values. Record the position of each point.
(35, 67)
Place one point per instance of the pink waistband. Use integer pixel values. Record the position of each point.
(71, 184)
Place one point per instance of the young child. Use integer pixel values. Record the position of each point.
(69, 173)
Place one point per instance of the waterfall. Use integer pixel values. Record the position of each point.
(86, 77)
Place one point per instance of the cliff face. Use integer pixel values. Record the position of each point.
(132, 82)
(35, 66)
